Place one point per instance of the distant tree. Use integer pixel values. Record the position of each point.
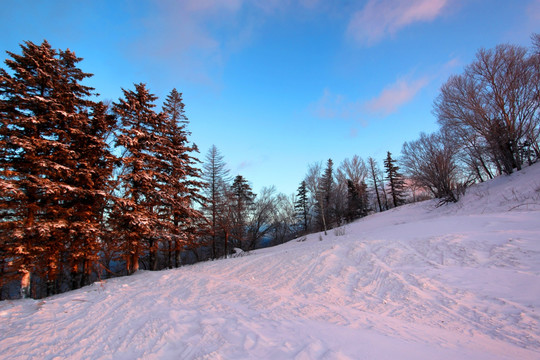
(242, 202)
(395, 180)
(54, 168)
(301, 206)
(285, 219)
(216, 178)
(313, 179)
(357, 203)
(431, 162)
(261, 221)
(374, 172)
(353, 169)
(351, 190)
(325, 196)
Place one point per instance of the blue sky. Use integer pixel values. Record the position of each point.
(279, 84)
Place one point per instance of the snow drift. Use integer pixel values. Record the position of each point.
(460, 281)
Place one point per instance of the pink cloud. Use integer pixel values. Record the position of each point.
(396, 95)
(380, 18)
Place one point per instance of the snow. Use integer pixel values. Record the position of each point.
(418, 282)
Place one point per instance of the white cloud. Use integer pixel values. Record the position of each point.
(381, 18)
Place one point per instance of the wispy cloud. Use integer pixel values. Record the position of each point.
(197, 36)
(336, 106)
(396, 95)
(390, 100)
(381, 18)
(249, 164)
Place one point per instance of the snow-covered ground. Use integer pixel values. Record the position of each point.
(418, 282)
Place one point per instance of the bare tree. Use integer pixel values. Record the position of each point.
(497, 98)
(284, 219)
(351, 190)
(352, 169)
(375, 178)
(261, 222)
(431, 162)
(216, 176)
(312, 179)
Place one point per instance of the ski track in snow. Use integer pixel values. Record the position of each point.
(416, 282)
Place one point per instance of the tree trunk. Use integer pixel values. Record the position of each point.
(25, 284)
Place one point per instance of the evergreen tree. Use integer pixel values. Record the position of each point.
(357, 202)
(216, 179)
(180, 183)
(395, 180)
(173, 107)
(301, 206)
(325, 196)
(95, 164)
(134, 220)
(50, 186)
(160, 183)
(243, 199)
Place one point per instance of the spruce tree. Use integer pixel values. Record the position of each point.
(136, 220)
(180, 183)
(173, 107)
(50, 188)
(160, 183)
(395, 180)
(301, 206)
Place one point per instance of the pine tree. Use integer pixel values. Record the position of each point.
(50, 189)
(301, 206)
(395, 179)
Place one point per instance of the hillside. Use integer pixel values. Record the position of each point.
(460, 281)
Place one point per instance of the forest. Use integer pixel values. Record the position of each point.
(91, 190)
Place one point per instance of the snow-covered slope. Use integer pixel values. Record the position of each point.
(418, 282)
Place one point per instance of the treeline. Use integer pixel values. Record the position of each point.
(489, 119)
(489, 123)
(90, 190)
